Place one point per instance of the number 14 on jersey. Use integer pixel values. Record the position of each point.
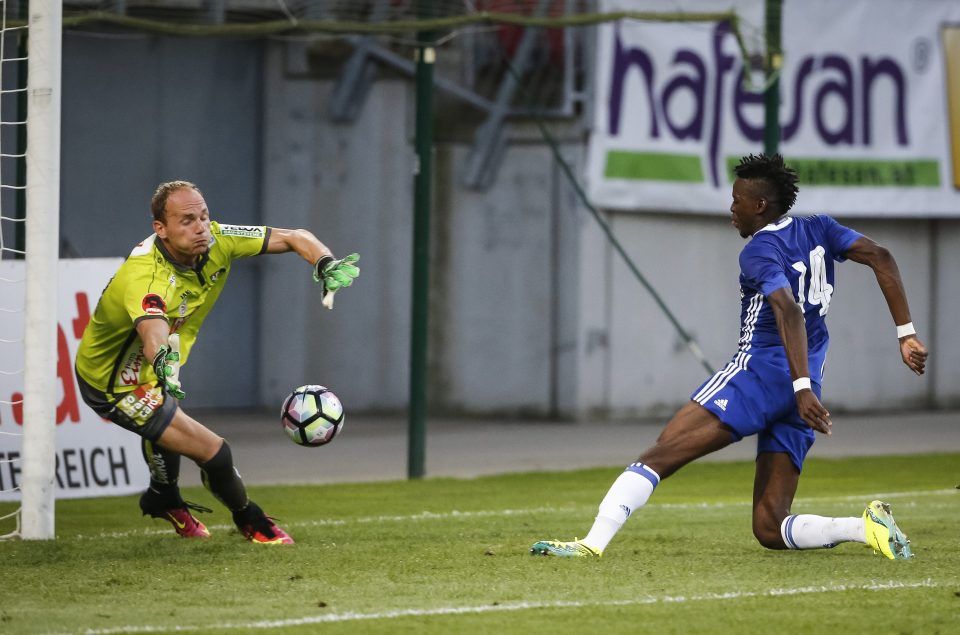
(820, 290)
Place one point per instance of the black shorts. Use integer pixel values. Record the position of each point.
(146, 410)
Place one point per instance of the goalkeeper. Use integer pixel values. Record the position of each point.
(141, 333)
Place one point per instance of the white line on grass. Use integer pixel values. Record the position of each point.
(362, 520)
(518, 606)
(501, 513)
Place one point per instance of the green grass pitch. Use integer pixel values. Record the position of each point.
(451, 556)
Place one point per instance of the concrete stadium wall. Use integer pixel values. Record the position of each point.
(532, 312)
(493, 326)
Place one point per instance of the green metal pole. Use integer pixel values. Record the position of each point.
(422, 188)
(771, 96)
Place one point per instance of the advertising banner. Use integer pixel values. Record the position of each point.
(93, 457)
(869, 115)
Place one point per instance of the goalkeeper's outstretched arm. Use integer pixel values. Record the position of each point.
(300, 241)
(331, 273)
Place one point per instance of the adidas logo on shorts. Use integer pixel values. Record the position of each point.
(721, 403)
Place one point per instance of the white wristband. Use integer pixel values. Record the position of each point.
(906, 329)
(801, 383)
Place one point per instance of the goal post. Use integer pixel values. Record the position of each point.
(42, 253)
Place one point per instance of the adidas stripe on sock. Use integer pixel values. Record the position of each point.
(806, 531)
(628, 493)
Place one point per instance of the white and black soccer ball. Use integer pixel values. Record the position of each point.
(312, 415)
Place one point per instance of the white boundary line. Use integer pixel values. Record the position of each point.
(891, 585)
(501, 513)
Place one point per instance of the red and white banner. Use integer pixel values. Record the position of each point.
(94, 457)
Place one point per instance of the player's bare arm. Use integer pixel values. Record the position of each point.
(790, 323)
(867, 252)
(162, 350)
(154, 333)
(300, 241)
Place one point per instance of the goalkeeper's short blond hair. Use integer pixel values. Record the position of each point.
(158, 203)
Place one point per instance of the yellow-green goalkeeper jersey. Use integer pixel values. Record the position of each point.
(149, 285)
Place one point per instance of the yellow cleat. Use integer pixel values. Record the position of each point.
(573, 549)
(882, 533)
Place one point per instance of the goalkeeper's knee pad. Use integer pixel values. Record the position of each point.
(222, 479)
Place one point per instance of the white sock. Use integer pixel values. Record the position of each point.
(806, 531)
(628, 493)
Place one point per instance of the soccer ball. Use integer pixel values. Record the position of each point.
(312, 415)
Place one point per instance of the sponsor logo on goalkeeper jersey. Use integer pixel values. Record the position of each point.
(241, 230)
(130, 373)
(153, 304)
(216, 274)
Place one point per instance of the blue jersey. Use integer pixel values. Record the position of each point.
(797, 253)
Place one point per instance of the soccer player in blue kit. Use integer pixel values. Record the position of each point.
(771, 387)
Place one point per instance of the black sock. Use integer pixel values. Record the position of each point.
(164, 466)
(222, 479)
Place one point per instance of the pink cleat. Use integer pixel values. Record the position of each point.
(259, 528)
(176, 512)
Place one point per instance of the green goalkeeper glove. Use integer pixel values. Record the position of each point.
(335, 274)
(166, 365)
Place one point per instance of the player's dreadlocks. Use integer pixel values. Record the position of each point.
(780, 179)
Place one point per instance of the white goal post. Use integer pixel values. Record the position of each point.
(42, 253)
